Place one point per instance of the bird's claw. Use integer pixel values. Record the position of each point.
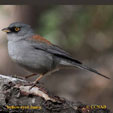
(33, 85)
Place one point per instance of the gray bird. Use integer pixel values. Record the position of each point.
(36, 54)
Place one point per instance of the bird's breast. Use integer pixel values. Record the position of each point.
(36, 60)
(16, 50)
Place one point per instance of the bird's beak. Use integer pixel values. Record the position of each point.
(7, 30)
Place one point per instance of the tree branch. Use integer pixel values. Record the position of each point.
(17, 97)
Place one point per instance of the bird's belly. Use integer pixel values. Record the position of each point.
(36, 61)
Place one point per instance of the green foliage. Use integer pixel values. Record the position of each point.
(72, 25)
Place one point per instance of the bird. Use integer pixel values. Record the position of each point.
(36, 54)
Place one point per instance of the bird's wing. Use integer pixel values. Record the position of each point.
(47, 46)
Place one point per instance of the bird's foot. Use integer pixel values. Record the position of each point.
(34, 84)
(36, 81)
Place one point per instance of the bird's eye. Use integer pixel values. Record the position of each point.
(17, 29)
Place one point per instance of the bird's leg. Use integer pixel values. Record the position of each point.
(50, 72)
(31, 75)
(41, 75)
(36, 81)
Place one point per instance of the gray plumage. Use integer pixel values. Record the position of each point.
(35, 55)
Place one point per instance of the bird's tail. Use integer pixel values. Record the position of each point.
(73, 62)
(91, 69)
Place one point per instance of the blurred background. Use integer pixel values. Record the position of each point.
(86, 32)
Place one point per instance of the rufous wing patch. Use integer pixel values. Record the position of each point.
(41, 39)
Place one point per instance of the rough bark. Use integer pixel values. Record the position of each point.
(17, 97)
